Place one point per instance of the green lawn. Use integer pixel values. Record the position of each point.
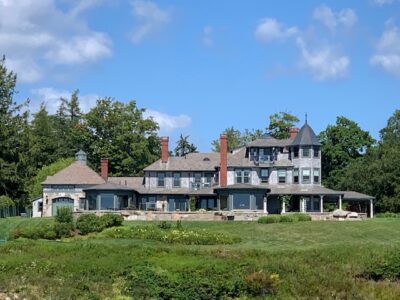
(314, 260)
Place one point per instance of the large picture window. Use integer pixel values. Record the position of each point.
(282, 175)
(306, 175)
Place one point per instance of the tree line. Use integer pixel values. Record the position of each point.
(35, 146)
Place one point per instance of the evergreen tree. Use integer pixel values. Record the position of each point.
(14, 162)
(184, 147)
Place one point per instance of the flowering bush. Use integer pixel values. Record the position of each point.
(261, 283)
(171, 236)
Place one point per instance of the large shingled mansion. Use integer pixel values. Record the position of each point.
(252, 178)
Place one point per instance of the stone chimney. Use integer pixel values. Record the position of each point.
(223, 151)
(164, 149)
(293, 132)
(104, 168)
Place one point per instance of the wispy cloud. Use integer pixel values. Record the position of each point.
(387, 50)
(207, 38)
(51, 98)
(151, 19)
(382, 2)
(36, 36)
(168, 122)
(324, 14)
(323, 62)
(270, 29)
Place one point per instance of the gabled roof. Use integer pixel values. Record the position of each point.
(269, 141)
(306, 137)
(190, 162)
(76, 173)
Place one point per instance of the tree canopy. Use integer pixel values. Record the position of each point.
(237, 139)
(280, 124)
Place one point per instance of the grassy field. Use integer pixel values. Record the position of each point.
(314, 260)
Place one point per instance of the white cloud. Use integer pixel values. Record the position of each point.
(346, 17)
(35, 36)
(151, 19)
(387, 50)
(51, 98)
(167, 122)
(269, 29)
(382, 2)
(323, 62)
(208, 36)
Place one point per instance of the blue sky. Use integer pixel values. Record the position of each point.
(201, 66)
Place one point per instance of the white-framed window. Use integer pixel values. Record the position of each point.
(160, 179)
(242, 176)
(306, 175)
(296, 176)
(306, 151)
(264, 175)
(177, 180)
(316, 175)
(281, 175)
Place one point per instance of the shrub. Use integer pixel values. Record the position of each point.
(269, 219)
(387, 268)
(89, 223)
(302, 217)
(170, 236)
(164, 225)
(387, 215)
(64, 215)
(261, 283)
(111, 220)
(297, 217)
(63, 229)
(287, 219)
(45, 231)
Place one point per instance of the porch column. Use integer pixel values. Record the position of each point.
(371, 207)
(188, 204)
(98, 202)
(321, 204)
(219, 204)
(303, 206)
(340, 202)
(283, 207)
(265, 205)
(129, 202)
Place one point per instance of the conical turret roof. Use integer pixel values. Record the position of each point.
(306, 137)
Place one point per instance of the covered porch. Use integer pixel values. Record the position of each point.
(316, 200)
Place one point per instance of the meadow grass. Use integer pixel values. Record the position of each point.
(313, 260)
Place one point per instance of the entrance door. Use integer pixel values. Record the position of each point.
(62, 202)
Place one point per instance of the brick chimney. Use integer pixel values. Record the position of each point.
(164, 149)
(223, 151)
(104, 168)
(293, 132)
